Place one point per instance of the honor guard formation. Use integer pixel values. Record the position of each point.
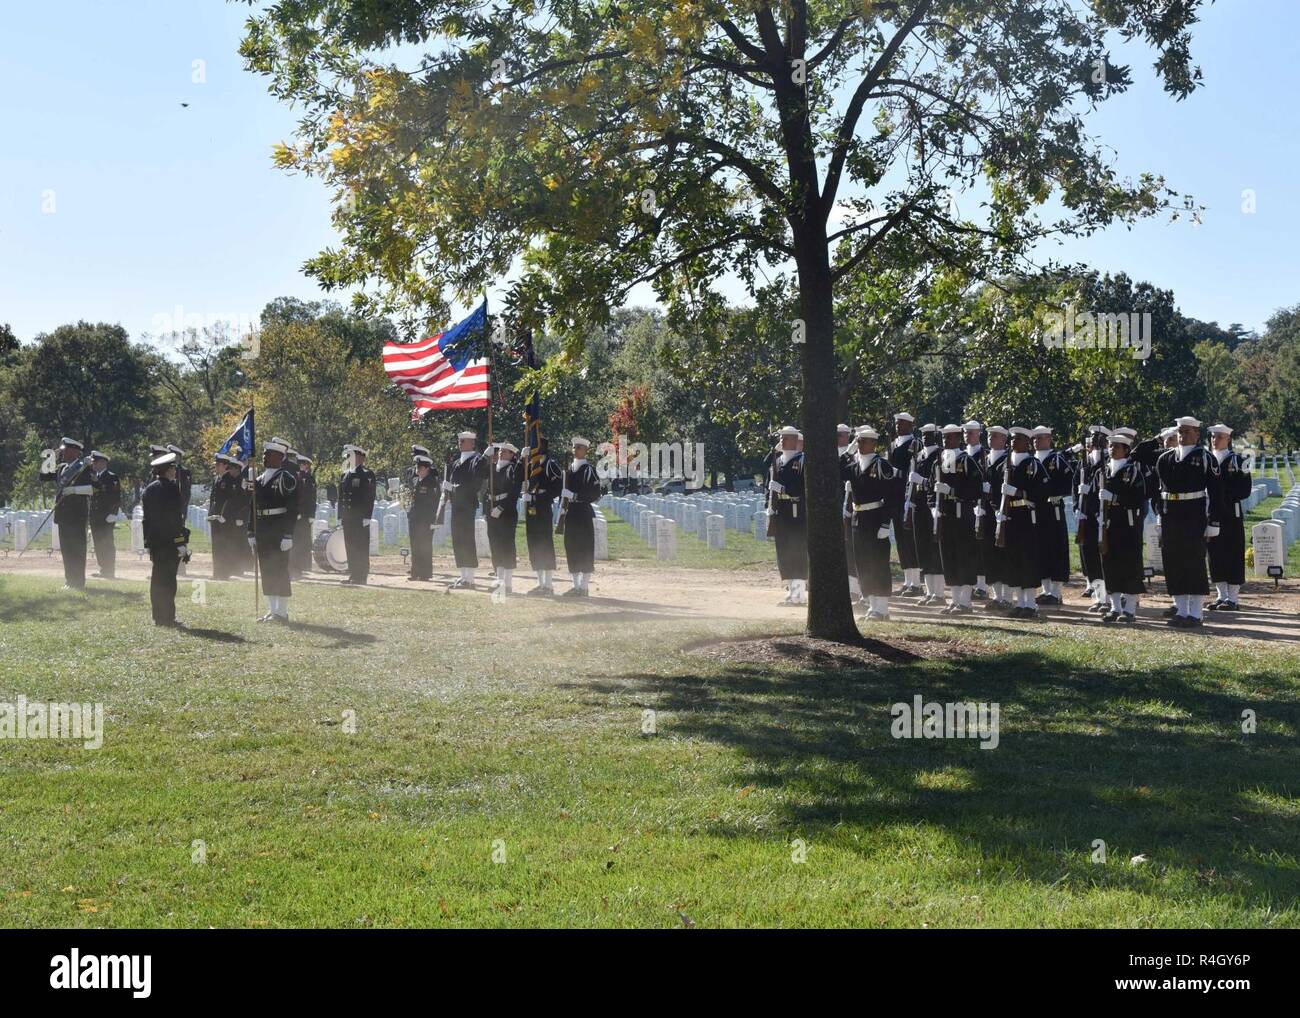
(975, 513)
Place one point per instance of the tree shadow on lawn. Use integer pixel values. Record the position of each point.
(60, 605)
(1083, 754)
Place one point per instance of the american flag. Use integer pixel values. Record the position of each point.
(446, 371)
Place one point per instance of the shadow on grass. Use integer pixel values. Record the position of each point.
(63, 605)
(1150, 762)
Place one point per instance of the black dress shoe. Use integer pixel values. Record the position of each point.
(1098, 607)
(1127, 617)
(1229, 606)
(1111, 616)
(980, 595)
(1171, 612)
(1211, 606)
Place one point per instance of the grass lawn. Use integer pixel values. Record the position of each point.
(498, 773)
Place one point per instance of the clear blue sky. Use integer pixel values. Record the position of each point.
(158, 206)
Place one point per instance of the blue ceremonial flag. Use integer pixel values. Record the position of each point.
(241, 439)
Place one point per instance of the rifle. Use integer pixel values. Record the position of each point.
(1078, 533)
(1000, 534)
(911, 490)
(1104, 542)
(938, 498)
(446, 495)
(564, 512)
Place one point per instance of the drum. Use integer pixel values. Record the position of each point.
(330, 552)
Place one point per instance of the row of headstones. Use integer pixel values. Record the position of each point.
(1273, 537)
(738, 510)
(659, 529)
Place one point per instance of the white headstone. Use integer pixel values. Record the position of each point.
(374, 537)
(20, 534)
(716, 532)
(600, 532)
(666, 538)
(760, 524)
(54, 537)
(390, 528)
(481, 544)
(1269, 541)
(1151, 546)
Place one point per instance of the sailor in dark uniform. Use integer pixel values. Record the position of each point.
(1228, 550)
(75, 480)
(874, 491)
(465, 476)
(1120, 489)
(425, 494)
(844, 442)
(1191, 489)
(356, 512)
(918, 510)
(786, 516)
(539, 493)
(1087, 513)
(995, 464)
(1053, 529)
(905, 445)
(957, 487)
(275, 496)
(503, 516)
(1024, 487)
(105, 504)
(300, 557)
(973, 430)
(185, 482)
(579, 496)
(166, 537)
(228, 517)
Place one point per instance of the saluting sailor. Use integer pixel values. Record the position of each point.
(1228, 550)
(356, 513)
(995, 567)
(503, 517)
(424, 493)
(271, 528)
(300, 557)
(874, 491)
(918, 508)
(75, 480)
(786, 517)
(1191, 489)
(1087, 513)
(465, 475)
(539, 494)
(228, 516)
(105, 504)
(1023, 488)
(166, 537)
(973, 430)
(955, 494)
(1053, 529)
(579, 496)
(905, 446)
(1121, 493)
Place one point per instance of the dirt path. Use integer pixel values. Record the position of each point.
(649, 589)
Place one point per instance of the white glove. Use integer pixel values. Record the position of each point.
(985, 486)
(111, 518)
(776, 486)
(496, 512)
(286, 543)
(566, 493)
(1084, 489)
(1000, 517)
(907, 506)
(771, 512)
(1211, 531)
(942, 488)
(184, 552)
(980, 512)
(215, 519)
(367, 522)
(936, 514)
(848, 514)
(527, 497)
(252, 542)
(448, 486)
(1080, 516)
(915, 478)
(882, 533)
(1010, 490)
(1106, 496)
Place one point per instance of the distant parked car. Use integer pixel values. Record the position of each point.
(672, 486)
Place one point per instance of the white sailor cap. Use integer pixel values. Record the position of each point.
(997, 429)
(222, 457)
(276, 445)
(154, 450)
(466, 435)
(1094, 429)
(579, 441)
(843, 429)
(165, 460)
(790, 430)
(423, 461)
(1128, 432)
(1018, 430)
(95, 454)
(866, 431)
(1218, 429)
(1187, 422)
(905, 416)
(419, 450)
(927, 428)
(504, 446)
(1120, 436)
(71, 443)
(972, 425)
(356, 450)
(1042, 429)
(1167, 433)
(177, 450)
(291, 453)
(303, 458)
(951, 429)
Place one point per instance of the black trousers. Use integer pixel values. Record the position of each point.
(580, 543)
(906, 545)
(105, 549)
(501, 539)
(871, 555)
(462, 537)
(356, 539)
(225, 554)
(1228, 550)
(959, 550)
(1053, 542)
(791, 538)
(541, 536)
(72, 544)
(300, 553)
(274, 566)
(421, 529)
(162, 583)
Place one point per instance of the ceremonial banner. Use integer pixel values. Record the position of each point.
(448, 371)
(242, 438)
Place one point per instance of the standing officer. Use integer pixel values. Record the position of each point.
(425, 494)
(786, 520)
(539, 493)
(227, 508)
(184, 480)
(995, 566)
(1053, 529)
(465, 475)
(918, 509)
(956, 492)
(300, 558)
(74, 479)
(1121, 492)
(973, 430)
(1087, 511)
(270, 536)
(1023, 489)
(105, 504)
(844, 441)
(356, 506)
(1228, 550)
(503, 516)
(166, 537)
(905, 446)
(1191, 489)
(579, 496)
(873, 492)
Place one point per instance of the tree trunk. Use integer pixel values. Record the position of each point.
(830, 614)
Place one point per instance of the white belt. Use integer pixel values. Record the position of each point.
(1183, 496)
(501, 498)
(862, 507)
(80, 489)
(272, 512)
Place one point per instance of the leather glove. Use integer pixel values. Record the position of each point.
(882, 533)
(1106, 496)
(942, 488)
(252, 542)
(1010, 490)
(915, 478)
(286, 543)
(1211, 531)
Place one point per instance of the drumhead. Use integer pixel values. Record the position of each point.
(319, 551)
(336, 551)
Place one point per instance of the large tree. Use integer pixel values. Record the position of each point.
(586, 148)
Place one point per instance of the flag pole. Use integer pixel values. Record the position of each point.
(492, 470)
(252, 418)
